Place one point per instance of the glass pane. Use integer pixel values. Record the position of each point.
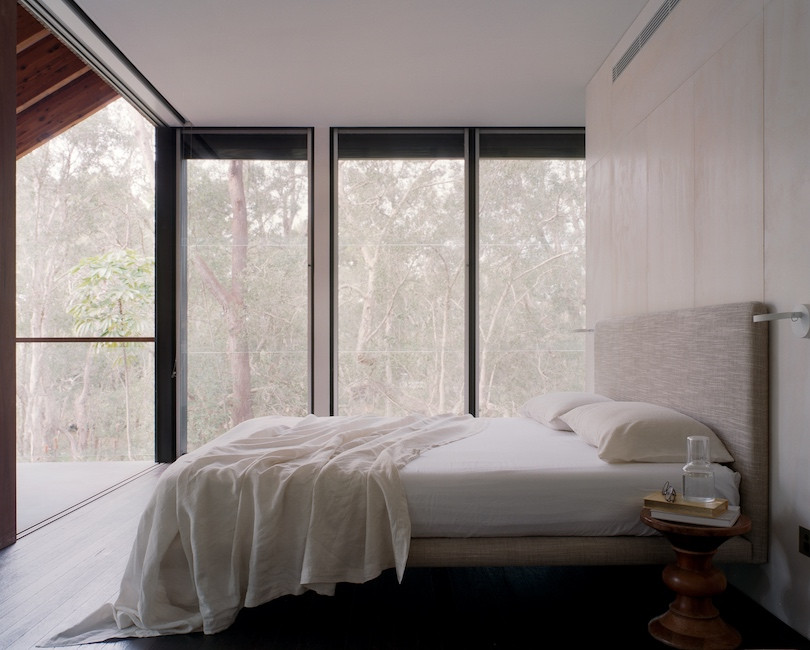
(85, 267)
(247, 287)
(401, 281)
(85, 402)
(531, 280)
(85, 230)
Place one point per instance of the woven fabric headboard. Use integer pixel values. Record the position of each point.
(710, 363)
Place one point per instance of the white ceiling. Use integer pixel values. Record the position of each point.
(367, 62)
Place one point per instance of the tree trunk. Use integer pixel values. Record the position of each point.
(79, 431)
(232, 299)
(126, 402)
(242, 408)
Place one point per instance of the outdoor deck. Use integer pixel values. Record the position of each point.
(50, 490)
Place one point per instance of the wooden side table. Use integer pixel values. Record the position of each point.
(692, 621)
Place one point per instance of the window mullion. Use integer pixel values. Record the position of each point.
(168, 446)
(471, 238)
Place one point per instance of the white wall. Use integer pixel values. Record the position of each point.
(699, 193)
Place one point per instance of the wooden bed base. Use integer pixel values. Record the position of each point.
(556, 551)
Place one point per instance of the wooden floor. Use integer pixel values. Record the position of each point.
(54, 575)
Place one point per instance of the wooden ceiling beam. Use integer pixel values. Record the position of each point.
(29, 29)
(44, 68)
(55, 88)
(61, 110)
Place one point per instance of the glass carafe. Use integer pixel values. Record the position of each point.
(698, 477)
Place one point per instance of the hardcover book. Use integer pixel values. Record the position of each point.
(724, 519)
(657, 501)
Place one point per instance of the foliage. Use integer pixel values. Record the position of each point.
(401, 237)
(402, 293)
(114, 295)
(87, 194)
(86, 267)
(401, 234)
(271, 293)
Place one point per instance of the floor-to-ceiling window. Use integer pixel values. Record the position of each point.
(455, 272)
(246, 256)
(401, 281)
(85, 311)
(461, 266)
(531, 267)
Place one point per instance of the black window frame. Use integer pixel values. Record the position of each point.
(175, 145)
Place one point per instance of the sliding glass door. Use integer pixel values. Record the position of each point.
(85, 289)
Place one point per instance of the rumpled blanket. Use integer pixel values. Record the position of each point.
(271, 512)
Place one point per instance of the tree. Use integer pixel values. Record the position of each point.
(231, 297)
(531, 285)
(401, 291)
(401, 270)
(113, 297)
(247, 292)
(86, 191)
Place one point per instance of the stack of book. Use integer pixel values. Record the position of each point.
(701, 513)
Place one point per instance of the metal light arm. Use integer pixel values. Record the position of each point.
(799, 317)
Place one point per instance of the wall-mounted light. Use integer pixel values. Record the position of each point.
(799, 318)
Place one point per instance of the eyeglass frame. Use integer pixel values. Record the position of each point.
(669, 492)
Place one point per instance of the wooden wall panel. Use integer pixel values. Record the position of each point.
(728, 171)
(8, 168)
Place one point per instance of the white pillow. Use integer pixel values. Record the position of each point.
(641, 432)
(548, 407)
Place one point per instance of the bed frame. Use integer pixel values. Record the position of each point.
(710, 363)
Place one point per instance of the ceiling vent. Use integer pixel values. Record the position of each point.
(663, 11)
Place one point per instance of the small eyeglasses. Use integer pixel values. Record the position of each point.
(669, 492)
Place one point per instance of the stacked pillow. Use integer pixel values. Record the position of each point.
(549, 407)
(622, 431)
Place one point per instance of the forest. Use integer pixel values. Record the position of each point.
(85, 268)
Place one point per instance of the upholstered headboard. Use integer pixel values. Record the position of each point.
(710, 363)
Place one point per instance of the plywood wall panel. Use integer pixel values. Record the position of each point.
(599, 265)
(597, 123)
(670, 133)
(691, 34)
(787, 152)
(629, 224)
(750, 175)
(787, 282)
(729, 171)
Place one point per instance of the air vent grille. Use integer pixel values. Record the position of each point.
(655, 22)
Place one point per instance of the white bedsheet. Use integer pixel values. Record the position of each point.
(518, 477)
(281, 505)
(274, 507)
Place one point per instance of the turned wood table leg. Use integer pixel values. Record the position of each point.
(692, 621)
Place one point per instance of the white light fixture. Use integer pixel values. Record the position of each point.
(799, 317)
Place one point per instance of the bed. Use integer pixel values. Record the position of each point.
(710, 363)
(281, 505)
